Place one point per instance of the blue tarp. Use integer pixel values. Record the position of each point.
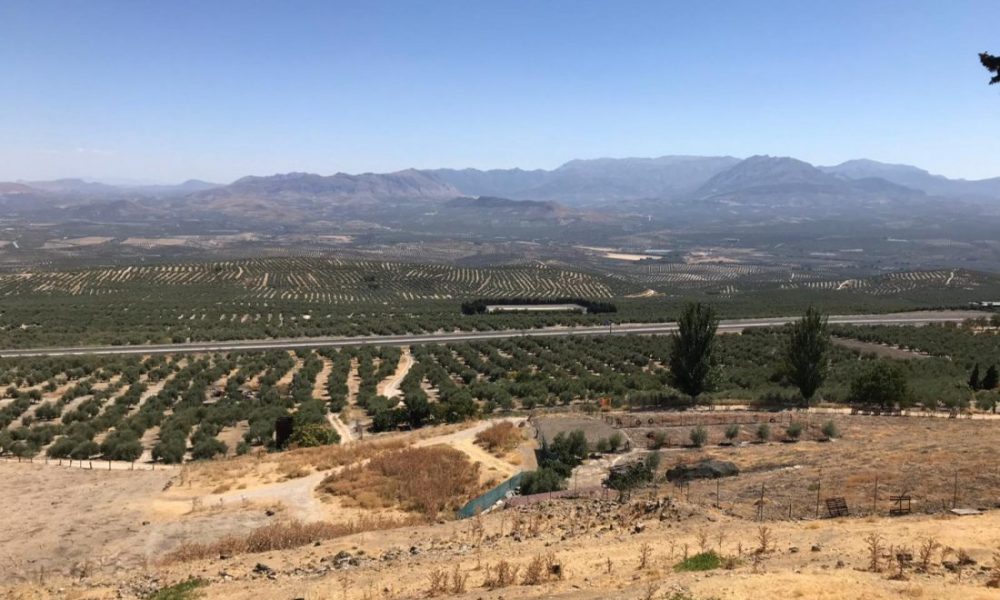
(480, 504)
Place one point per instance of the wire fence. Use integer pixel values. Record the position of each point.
(794, 495)
(89, 465)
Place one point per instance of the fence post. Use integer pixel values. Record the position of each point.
(875, 496)
(760, 504)
(954, 496)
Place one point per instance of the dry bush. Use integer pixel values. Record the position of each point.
(501, 575)
(994, 580)
(426, 480)
(437, 582)
(644, 551)
(542, 568)
(926, 553)
(764, 542)
(321, 458)
(874, 543)
(500, 438)
(650, 592)
(458, 580)
(534, 574)
(282, 535)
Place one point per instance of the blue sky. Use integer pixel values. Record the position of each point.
(167, 90)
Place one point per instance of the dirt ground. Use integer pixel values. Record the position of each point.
(97, 534)
(939, 463)
(550, 425)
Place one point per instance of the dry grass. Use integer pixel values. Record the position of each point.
(282, 535)
(425, 480)
(500, 438)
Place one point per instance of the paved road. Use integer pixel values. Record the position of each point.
(910, 318)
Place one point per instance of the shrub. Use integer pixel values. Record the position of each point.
(313, 434)
(603, 446)
(699, 436)
(564, 453)
(624, 480)
(185, 590)
(659, 440)
(830, 430)
(794, 430)
(615, 441)
(426, 480)
(763, 432)
(732, 432)
(542, 481)
(703, 561)
(500, 438)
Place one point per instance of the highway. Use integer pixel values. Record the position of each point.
(730, 326)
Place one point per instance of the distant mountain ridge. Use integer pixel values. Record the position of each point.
(667, 187)
(916, 178)
(593, 181)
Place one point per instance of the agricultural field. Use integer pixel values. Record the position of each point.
(298, 297)
(177, 408)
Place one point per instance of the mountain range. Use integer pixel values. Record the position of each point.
(580, 190)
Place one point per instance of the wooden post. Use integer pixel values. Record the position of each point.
(718, 496)
(875, 496)
(819, 486)
(954, 496)
(760, 504)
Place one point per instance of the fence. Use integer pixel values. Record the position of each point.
(89, 465)
(487, 500)
(589, 492)
(793, 494)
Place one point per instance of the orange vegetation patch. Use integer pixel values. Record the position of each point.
(282, 535)
(425, 480)
(500, 438)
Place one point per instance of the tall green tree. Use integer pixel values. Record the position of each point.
(974, 379)
(991, 379)
(691, 355)
(806, 353)
(992, 64)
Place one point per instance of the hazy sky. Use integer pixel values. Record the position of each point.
(168, 90)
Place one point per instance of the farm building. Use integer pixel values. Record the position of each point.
(494, 308)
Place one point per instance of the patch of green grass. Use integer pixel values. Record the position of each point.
(704, 561)
(185, 590)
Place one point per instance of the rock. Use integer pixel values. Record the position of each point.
(269, 512)
(706, 469)
(263, 569)
(816, 548)
(793, 550)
